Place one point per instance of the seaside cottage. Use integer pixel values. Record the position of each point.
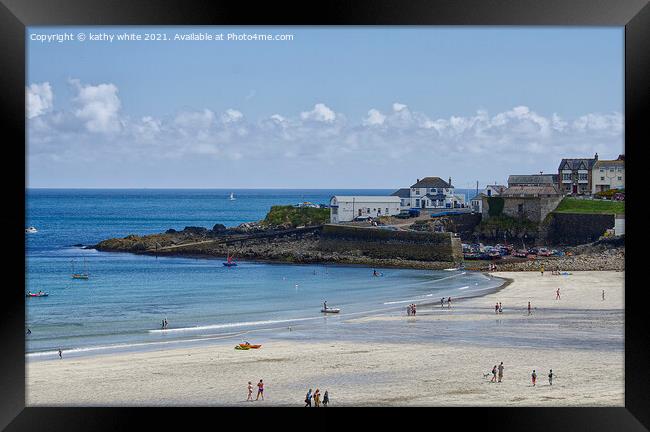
(575, 175)
(346, 208)
(430, 193)
(608, 174)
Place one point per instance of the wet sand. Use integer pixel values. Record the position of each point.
(438, 358)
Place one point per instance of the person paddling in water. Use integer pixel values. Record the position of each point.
(374, 272)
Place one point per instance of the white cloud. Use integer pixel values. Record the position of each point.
(320, 113)
(375, 117)
(98, 106)
(39, 99)
(231, 116)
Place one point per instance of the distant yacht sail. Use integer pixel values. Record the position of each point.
(232, 196)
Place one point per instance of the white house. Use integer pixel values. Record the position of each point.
(477, 202)
(608, 174)
(494, 190)
(430, 193)
(346, 208)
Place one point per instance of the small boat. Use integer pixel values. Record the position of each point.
(83, 275)
(330, 310)
(38, 294)
(247, 345)
(230, 262)
(232, 196)
(239, 347)
(31, 230)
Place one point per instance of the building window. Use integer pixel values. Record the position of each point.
(602, 170)
(602, 179)
(582, 176)
(566, 176)
(620, 178)
(417, 203)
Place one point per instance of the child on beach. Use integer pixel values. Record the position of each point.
(533, 376)
(326, 398)
(317, 398)
(494, 374)
(496, 308)
(250, 391)
(260, 390)
(308, 399)
(500, 308)
(550, 377)
(541, 269)
(60, 354)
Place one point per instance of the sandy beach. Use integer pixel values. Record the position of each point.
(438, 358)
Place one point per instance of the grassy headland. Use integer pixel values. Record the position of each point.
(576, 205)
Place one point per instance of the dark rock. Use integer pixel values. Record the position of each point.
(195, 230)
(171, 231)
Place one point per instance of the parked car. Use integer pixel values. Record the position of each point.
(362, 219)
(414, 212)
(404, 214)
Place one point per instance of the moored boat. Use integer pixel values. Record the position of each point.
(330, 310)
(31, 230)
(38, 294)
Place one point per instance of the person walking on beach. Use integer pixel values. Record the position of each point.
(260, 390)
(528, 308)
(500, 308)
(448, 301)
(326, 398)
(308, 399)
(557, 294)
(541, 269)
(500, 371)
(442, 302)
(414, 309)
(60, 354)
(408, 310)
(317, 398)
(533, 376)
(603, 295)
(494, 374)
(250, 391)
(550, 377)
(496, 308)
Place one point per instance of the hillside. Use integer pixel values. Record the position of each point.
(585, 206)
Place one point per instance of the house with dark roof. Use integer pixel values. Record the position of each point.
(575, 175)
(404, 195)
(433, 193)
(533, 180)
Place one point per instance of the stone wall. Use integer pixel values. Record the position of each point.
(461, 224)
(380, 243)
(534, 209)
(573, 229)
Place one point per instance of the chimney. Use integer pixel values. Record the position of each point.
(596, 156)
(449, 181)
(417, 180)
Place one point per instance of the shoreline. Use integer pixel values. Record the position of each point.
(218, 338)
(385, 359)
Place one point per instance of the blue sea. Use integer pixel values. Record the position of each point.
(126, 297)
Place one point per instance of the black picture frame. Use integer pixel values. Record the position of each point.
(16, 15)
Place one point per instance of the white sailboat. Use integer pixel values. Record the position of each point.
(232, 196)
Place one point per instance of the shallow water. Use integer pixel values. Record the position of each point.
(126, 297)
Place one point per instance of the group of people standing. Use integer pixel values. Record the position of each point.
(497, 370)
(164, 323)
(492, 267)
(260, 390)
(497, 375)
(316, 396)
(442, 301)
(411, 310)
(533, 377)
(497, 308)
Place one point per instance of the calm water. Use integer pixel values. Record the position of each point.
(127, 296)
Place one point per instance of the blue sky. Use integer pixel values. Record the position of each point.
(335, 107)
